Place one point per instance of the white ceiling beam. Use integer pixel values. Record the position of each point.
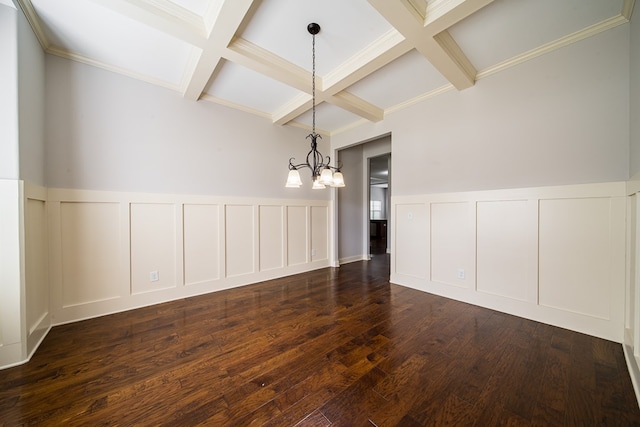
(386, 49)
(427, 33)
(443, 14)
(229, 18)
(627, 8)
(163, 16)
(265, 62)
(292, 109)
(350, 102)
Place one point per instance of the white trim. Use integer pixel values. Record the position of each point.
(634, 370)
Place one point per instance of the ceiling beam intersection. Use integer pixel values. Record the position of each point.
(427, 32)
(206, 60)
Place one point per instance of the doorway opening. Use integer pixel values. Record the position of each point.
(362, 163)
(379, 204)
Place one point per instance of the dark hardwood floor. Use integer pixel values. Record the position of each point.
(334, 347)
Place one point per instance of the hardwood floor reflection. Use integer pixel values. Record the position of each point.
(334, 347)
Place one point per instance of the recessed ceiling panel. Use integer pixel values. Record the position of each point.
(243, 86)
(507, 28)
(198, 7)
(407, 77)
(347, 27)
(328, 117)
(107, 37)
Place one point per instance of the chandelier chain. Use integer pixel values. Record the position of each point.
(313, 82)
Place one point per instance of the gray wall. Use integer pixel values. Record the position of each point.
(9, 160)
(110, 132)
(635, 95)
(351, 209)
(561, 118)
(31, 77)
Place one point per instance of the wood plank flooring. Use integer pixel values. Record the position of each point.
(333, 347)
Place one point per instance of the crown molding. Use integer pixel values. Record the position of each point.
(350, 126)
(420, 98)
(230, 104)
(590, 31)
(66, 54)
(35, 23)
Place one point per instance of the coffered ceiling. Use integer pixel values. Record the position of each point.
(373, 57)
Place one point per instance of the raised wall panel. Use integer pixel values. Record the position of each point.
(36, 262)
(453, 243)
(10, 272)
(319, 235)
(153, 246)
(90, 251)
(239, 231)
(271, 237)
(201, 225)
(411, 240)
(296, 235)
(506, 249)
(575, 255)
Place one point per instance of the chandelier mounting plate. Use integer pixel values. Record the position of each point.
(313, 28)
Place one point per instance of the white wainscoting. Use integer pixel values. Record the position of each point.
(113, 251)
(36, 266)
(24, 286)
(551, 254)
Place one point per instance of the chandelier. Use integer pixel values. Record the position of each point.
(322, 173)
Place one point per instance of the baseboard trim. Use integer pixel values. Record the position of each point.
(355, 258)
(634, 370)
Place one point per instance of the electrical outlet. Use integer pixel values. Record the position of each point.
(154, 276)
(461, 273)
(313, 252)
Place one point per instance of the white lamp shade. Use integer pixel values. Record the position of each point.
(338, 180)
(293, 180)
(326, 177)
(317, 184)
